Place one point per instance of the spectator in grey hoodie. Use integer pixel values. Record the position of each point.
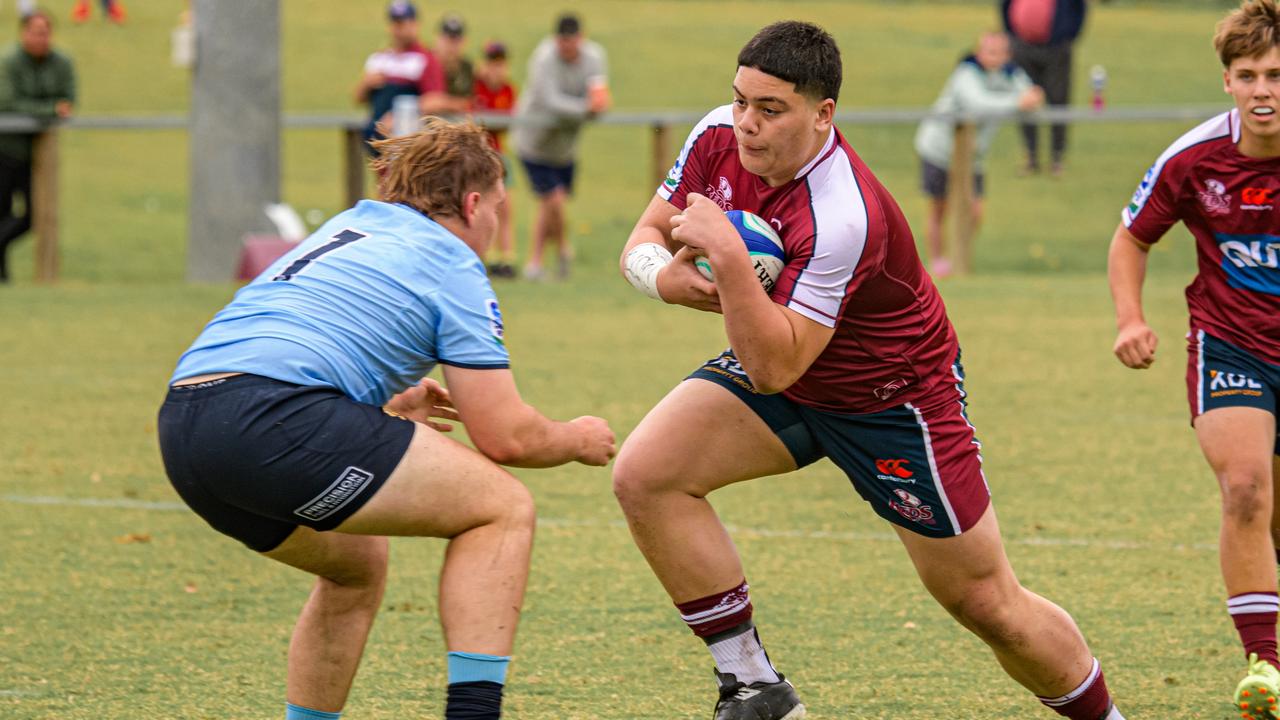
(567, 86)
(983, 82)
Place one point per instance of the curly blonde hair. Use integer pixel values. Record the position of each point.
(1249, 31)
(433, 169)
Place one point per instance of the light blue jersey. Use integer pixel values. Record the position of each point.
(368, 304)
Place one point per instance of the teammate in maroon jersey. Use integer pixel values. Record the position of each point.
(1222, 180)
(852, 357)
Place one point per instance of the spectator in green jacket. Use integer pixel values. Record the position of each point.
(39, 81)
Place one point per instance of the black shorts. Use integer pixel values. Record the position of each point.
(933, 180)
(546, 179)
(257, 457)
(919, 466)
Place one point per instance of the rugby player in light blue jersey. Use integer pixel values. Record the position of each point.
(299, 422)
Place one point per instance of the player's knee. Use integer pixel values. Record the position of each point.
(366, 568)
(990, 616)
(517, 511)
(634, 478)
(1246, 495)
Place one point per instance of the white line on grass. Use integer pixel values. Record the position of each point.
(1106, 544)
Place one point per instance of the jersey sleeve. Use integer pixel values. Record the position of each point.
(1153, 209)
(689, 173)
(469, 332)
(846, 247)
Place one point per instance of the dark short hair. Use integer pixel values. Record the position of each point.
(25, 19)
(568, 24)
(800, 53)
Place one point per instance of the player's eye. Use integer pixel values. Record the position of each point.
(740, 102)
(769, 111)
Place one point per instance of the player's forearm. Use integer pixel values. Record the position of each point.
(533, 441)
(1126, 271)
(759, 333)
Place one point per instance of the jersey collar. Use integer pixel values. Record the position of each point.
(827, 148)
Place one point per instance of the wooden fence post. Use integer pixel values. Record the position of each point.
(354, 161)
(661, 152)
(44, 203)
(960, 196)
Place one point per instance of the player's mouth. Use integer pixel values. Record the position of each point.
(1263, 112)
(752, 150)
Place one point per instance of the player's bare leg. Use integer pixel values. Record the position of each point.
(1036, 642)
(935, 236)
(1239, 443)
(440, 489)
(548, 229)
(700, 437)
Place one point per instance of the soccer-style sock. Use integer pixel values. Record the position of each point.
(1089, 701)
(297, 712)
(723, 621)
(475, 686)
(1255, 617)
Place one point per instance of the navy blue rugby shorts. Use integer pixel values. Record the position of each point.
(257, 457)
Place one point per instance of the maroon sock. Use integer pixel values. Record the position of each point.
(1089, 701)
(1255, 617)
(717, 613)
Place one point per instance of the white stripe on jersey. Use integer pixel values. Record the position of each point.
(722, 115)
(840, 235)
(1219, 126)
(1200, 373)
(933, 468)
(397, 65)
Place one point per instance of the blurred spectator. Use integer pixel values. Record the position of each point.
(112, 9)
(983, 82)
(567, 85)
(404, 68)
(493, 93)
(1044, 32)
(459, 76)
(35, 80)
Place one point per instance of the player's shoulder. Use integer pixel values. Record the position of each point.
(842, 191)
(1209, 137)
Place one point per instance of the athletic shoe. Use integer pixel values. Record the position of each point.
(80, 12)
(534, 273)
(757, 701)
(1256, 695)
(116, 13)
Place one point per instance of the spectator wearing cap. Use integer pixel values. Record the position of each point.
(493, 94)
(405, 67)
(567, 85)
(459, 76)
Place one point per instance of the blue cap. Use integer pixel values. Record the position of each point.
(402, 10)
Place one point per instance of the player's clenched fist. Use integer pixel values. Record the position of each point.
(598, 442)
(1136, 346)
(704, 227)
(680, 283)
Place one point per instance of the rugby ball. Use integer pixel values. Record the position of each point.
(763, 245)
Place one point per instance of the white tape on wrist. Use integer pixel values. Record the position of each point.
(642, 266)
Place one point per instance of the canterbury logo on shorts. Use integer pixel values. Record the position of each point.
(347, 486)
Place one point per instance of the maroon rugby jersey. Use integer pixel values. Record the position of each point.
(851, 265)
(1231, 204)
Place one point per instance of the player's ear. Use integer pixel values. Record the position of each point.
(470, 206)
(826, 115)
(1226, 81)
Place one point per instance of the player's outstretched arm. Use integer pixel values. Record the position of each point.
(648, 262)
(1135, 344)
(509, 431)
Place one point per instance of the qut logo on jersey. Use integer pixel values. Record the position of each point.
(722, 195)
(1254, 253)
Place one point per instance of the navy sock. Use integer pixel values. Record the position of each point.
(476, 700)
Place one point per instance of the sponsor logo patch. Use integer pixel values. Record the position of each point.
(495, 320)
(1257, 199)
(1225, 384)
(349, 484)
(894, 470)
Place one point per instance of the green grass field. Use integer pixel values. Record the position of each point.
(1106, 504)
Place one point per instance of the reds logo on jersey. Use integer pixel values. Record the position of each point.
(722, 194)
(1214, 198)
(911, 508)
